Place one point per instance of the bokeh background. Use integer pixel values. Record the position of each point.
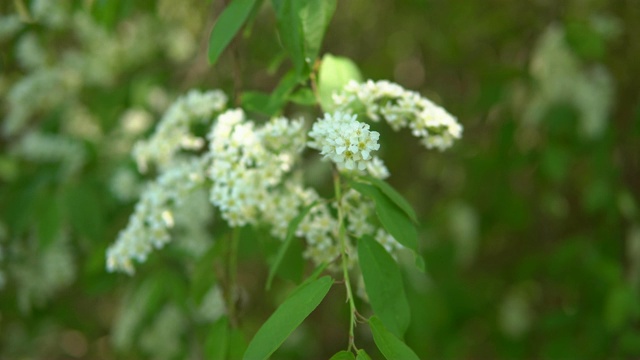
(530, 224)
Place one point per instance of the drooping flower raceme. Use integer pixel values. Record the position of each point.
(344, 140)
(401, 108)
(152, 219)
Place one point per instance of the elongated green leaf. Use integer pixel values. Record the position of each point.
(291, 231)
(287, 318)
(343, 355)
(217, 343)
(393, 195)
(227, 25)
(290, 30)
(335, 72)
(392, 218)
(390, 346)
(281, 92)
(383, 283)
(315, 17)
(362, 355)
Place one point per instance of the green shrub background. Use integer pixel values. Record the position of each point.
(530, 223)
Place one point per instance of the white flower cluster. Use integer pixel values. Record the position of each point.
(97, 57)
(149, 225)
(401, 108)
(40, 272)
(247, 163)
(40, 147)
(173, 132)
(248, 172)
(344, 140)
(561, 77)
(320, 229)
(36, 92)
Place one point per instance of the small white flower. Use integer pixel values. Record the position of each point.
(344, 140)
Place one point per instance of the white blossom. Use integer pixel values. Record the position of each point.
(247, 164)
(149, 225)
(173, 132)
(401, 108)
(344, 140)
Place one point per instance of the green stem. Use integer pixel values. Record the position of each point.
(342, 237)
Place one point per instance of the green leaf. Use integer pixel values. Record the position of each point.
(217, 343)
(281, 93)
(256, 101)
(290, 30)
(287, 318)
(270, 104)
(383, 283)
(227, 25)
(390, 346)
(291, 231)
(315, 18)
(362, 355)
(335, 72)
(393, 195)
(343, 355)
(304, 96)
(392, 218)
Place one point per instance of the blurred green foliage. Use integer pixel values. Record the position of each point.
(532, 225)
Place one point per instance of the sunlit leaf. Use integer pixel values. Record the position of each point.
(335, 72)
